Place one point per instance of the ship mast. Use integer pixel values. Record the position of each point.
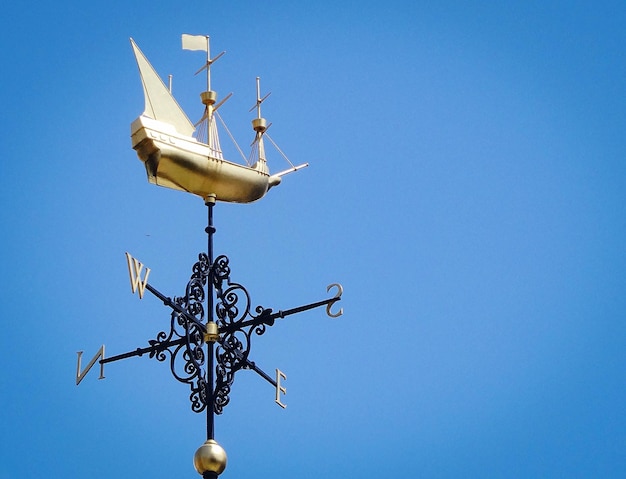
(259, 125)
(209, 97)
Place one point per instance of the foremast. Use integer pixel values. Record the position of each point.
(259, 125)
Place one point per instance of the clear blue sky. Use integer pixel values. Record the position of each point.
(467, 187)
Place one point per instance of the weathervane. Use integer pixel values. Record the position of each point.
(205, 345)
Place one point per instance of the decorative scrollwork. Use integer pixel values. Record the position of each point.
(236, 323)
(221, 271)
(184, 343)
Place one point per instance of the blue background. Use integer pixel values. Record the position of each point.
(466, 187)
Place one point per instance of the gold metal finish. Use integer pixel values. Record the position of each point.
(208, 97)
(159, 103)
(134, 270)
(210, 457)
(173, 158)
(212, 334)
(259, 124)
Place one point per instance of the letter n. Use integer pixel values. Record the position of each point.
(134, 270)
(81, 374)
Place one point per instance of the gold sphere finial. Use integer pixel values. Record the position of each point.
(210, 457)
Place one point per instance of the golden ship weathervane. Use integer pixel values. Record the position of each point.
(212, 325)
(174, 158)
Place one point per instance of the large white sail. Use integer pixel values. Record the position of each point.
(160, 104)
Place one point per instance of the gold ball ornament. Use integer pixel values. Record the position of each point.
(210, 457)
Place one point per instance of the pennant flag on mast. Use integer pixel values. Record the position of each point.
(195, 42)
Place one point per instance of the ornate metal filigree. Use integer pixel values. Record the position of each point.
(184, 343)
(236, 324)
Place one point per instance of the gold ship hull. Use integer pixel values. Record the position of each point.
(182, 163)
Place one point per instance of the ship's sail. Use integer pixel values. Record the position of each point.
(160, 104)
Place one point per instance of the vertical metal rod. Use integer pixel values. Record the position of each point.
(208, 64)
(210, 230)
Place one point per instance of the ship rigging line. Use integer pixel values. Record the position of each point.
(279, 150)
(232, 137)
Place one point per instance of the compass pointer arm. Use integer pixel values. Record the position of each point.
(139, 283)
(154, 348)
(274, 382)
(326, 302)
(268, 317)
(252, 365)
(176, 307)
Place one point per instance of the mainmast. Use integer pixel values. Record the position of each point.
(209, 97)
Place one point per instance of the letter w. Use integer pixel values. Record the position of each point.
(134, 270)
